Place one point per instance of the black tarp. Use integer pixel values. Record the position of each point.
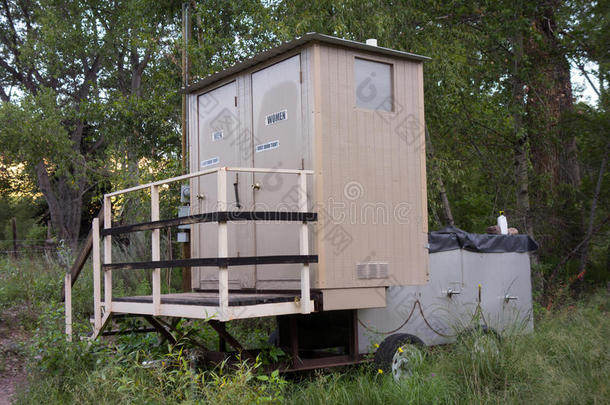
(451, 238)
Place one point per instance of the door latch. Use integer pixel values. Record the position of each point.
(450, 292)
(509, 298)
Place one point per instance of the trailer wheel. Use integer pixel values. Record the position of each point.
(400, 354)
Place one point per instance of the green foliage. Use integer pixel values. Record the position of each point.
(54, 356)
(33, 131)
(134, 377)
(26, 211)
(564, 361)
(29, 282)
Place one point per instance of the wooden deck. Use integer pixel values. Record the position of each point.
(236, 298)
(206, 305)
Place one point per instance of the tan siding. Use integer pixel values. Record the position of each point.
(318, 107)
(363, 146)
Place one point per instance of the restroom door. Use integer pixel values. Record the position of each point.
(278, 143)
(219, 134)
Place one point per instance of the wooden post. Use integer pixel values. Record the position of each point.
(14, 226)
(223, 248)
(68, 305)
(97, 282)
(156, 250)
(304, 245)
(107, 256)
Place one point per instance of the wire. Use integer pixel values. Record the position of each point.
(394, 330)
(417, 303)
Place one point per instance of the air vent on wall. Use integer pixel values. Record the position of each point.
(372, 270)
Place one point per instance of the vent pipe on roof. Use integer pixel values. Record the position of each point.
(371, 41)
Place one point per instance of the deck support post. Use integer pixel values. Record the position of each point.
(221, 329)
(353, 335)
(97, 279)
(107, 256)
(304, 245)
(294, 341)
(156, 250)
(166, 334)
(223, 248)
(68, 305)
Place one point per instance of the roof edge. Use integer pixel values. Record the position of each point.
(295, 43)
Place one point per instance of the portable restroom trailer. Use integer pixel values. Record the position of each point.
(308, 203)
(354, 115)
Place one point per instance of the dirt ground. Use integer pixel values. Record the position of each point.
(12, 361)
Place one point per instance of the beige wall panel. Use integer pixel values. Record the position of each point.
(371, 162)
(350, 298)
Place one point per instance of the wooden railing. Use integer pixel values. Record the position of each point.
(222, 261)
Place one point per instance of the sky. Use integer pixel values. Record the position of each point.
(580, 86)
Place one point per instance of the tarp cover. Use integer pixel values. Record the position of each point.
(452, 238)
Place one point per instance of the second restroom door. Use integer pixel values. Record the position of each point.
(278, 143)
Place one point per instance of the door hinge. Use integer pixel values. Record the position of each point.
(301, 77)
(235, 101)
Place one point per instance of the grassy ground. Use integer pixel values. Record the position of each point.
(566, 361)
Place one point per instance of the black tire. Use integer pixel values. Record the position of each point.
(387, 349)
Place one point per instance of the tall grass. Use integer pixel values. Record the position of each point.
(565, 361)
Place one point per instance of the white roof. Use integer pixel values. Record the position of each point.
(287, 46)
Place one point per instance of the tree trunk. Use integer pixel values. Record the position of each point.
(442, 190)
(553, 150)
(522, 217)
(585, 249)
(65, 204)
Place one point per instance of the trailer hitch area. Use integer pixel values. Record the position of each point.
(508, 298)
(450, 292)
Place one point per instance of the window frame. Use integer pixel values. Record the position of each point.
(371, 58)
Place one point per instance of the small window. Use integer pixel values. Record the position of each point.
(373, 85)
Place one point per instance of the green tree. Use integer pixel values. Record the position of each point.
(70, 72)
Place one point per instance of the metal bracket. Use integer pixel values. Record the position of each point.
(450, 292)
(508, 298)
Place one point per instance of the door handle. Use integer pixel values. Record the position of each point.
(256, 186)
(509, 298)
(450, 292)
(235, 187)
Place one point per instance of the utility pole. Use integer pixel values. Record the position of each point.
(186, 32)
